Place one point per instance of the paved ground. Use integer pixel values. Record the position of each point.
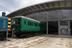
(43, 41)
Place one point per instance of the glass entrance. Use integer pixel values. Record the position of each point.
(64, 27)
(71, 27)
(53, 27)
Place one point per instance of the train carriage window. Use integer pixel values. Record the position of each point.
(17, 20)
(36, 24)
(29, 23)
(24, 22)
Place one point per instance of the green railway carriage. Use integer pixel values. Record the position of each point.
(43, 27)
(22, 25)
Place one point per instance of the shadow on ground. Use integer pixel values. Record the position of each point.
(57, 36)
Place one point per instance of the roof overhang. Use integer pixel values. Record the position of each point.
(48, 6)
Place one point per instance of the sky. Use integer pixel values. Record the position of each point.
(9, 6)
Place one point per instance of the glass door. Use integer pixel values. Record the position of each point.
(64, 27)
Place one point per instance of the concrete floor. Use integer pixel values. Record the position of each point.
(43, 41)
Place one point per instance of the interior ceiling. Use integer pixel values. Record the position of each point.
(53, 15)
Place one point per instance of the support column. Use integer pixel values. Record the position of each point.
(58, 27)
(47, 28)
(7, 34)
(69, 27)
(12, 29)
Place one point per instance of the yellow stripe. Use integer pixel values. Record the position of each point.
(9, 19)
(9, 29)
(9, 26)
(9, 23)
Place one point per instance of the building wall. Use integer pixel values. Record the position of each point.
(53, 15)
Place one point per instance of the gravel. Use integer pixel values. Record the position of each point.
(43, 41)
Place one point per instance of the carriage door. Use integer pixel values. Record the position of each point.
(64, 27)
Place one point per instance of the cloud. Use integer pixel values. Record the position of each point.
(25, 3)
(9, 5)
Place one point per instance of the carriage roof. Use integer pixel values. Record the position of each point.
(26, 18)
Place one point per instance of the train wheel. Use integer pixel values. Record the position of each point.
(17, 35)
